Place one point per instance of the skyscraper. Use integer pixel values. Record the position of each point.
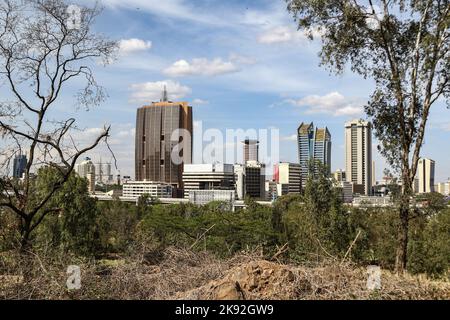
(358, 155)
(86, 169)
(163, 141)
(19, 166)
(313, 146)
(425, 170)
(251, 150)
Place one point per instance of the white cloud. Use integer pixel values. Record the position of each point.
(241, 59)
(289, 138)
(152, 91)
(282, 34)
(199, 102)
(332, 103)
(200, 66)
(129, 46)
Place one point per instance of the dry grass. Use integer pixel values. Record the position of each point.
(177, 273)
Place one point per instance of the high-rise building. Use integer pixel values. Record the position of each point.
(19, 166)
(373, 173)
(289, 174)
(250, 180)
(425, 171)
(251, 150)
(314, 146)
(358, 155)
(208, 177)
(163, 141)
(86, 169)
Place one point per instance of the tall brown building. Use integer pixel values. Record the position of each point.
(156, 139)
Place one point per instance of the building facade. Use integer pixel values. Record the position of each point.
(202, 197)
(289, 174)
(208, 177)
(250, 180)
(425, 171)
(358, 155)
(314, 146)
(163, 141)
(19, 166)
(135, 189)
(251, 150)
(86, 169)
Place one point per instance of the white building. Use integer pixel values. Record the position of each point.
(250, 180)
(275, 190)
(208, 177)
(202, 197)
(425, 171)
(289, 174)
(135, 189)
(86, 169)
(358, 154)
(444, 188)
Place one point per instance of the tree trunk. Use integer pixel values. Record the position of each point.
(25, 235)
(402, 245)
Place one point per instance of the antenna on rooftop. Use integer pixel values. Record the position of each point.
(165, 96)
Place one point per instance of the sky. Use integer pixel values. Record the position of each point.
(241, 64)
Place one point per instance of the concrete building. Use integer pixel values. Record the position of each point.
(346, 190)
(288, 174)
(202, 197)
(444, 188)
(358, 154)
(339, 175)
(208, 177)
(425, 172)
(250, 180)
(251, 150)
(313, 146)
(86, 169)
(163, 141)
(19, 166)
(135, 189)
(274, 190)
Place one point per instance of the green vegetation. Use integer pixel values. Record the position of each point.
(313, 227)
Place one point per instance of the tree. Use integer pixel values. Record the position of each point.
(74, 227)
(44, 46)
(404, 47)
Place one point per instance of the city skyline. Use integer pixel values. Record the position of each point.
(267, 73)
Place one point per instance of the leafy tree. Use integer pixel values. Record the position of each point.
(73, 227)
(404, 47)
(40, 54)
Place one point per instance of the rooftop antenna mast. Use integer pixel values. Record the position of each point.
(165, 96)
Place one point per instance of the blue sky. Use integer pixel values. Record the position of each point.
(240, 64)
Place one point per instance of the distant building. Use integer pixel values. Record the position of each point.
(202, 197)
(313, 146)
(208, 177)
(163, 129)
(275, 190)
(370, 201)
(250, 180)
(373, 173)
(86, 169)
(19, 166)
(288, 174)
(358, 154)
(444, 188)
(135, 189)
(346, 190)
(339, 175)
(425, 171)
(251, 150)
